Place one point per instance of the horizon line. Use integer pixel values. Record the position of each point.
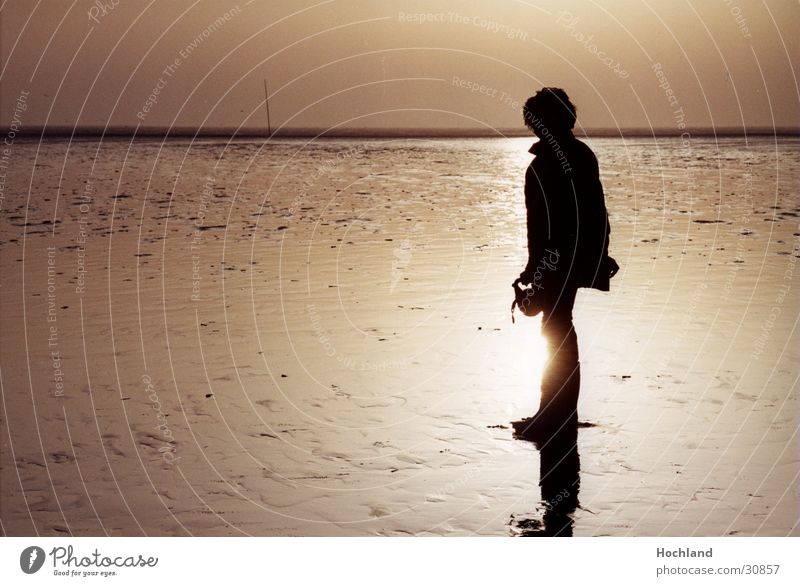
(232, 132)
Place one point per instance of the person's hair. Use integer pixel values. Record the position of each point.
(549, 109)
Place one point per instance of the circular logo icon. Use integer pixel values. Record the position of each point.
(31, 559)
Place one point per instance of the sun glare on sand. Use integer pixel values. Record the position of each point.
(526, 348)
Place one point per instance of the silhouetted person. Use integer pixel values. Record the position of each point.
(568, 234)
(559, 479)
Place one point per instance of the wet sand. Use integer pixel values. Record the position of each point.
(315, 339)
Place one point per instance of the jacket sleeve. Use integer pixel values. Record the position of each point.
(598, 215)
(595, 229)
(536, 214)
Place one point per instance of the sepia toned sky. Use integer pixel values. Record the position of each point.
(408, 64)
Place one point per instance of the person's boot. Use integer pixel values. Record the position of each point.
(558, 408)
(567, 399)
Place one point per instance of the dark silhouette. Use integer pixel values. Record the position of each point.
(568, 233)
(559, 479)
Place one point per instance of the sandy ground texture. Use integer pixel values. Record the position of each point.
(314, 338)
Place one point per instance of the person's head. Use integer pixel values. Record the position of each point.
(549, 112)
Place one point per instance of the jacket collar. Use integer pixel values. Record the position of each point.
(543, 146)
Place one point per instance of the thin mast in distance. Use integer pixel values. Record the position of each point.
(266, 104)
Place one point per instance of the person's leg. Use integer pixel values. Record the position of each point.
(560, 384)
(561, 377)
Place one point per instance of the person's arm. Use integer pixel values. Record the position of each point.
(609, 265)
(534, 229)
(598, 229)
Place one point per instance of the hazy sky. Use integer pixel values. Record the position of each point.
(408, 63)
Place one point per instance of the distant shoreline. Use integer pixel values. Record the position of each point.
(144, 132)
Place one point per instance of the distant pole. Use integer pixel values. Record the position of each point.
(266, 103)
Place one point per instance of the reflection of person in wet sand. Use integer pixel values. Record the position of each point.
(568, 233)
(559, 479)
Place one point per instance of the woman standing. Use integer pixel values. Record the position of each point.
(568, 234)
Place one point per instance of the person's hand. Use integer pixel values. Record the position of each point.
(611, 266)
(526, 276)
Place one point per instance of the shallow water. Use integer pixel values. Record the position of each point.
(302, 338)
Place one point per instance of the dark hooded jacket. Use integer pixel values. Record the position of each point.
(566, 213)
